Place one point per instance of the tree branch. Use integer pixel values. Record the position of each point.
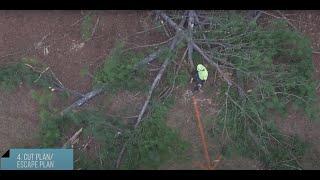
(72, 139)
(95, 26)
(173, 45)
(169, 20)
(195, 46)
(154, 84)
(190, 47)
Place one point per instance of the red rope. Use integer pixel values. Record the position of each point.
(202, 134)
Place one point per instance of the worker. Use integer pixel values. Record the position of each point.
(200, 76)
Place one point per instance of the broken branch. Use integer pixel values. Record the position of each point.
(95, 26)
(72, 139)
(41, 74)
(173, 45)
(190, 47)
(156, 81)
(170, 21)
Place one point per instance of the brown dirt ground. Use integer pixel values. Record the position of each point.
(18, 118)
(21, 32)
(124, 104)
(182, 118)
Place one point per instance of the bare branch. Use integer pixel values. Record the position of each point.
(79, 20)
(87, 144)
(315, 52)
(95, 26)
(149, 45)
(154, 84)
(149, 58)
(256, 141)
(169, 20)
(72, 139)
(253, 15)
(240, 82)
(282, 17)
(288, 21)
(41, 74)
(156, 81)
(195, 46)
(58, 83)
(190, 47)
(154, 55)
(196, 18)
(173, 45)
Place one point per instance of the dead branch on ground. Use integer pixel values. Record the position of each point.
(190, 47)
(154, 84)
(73, 139)
(173, 45)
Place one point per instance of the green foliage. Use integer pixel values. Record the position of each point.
(166, 53)
(117, 72)
(50, 122)
(197, 58)
(153, 137)
(283, 156)
(86, 27)
(275, 67)
(64, 95)
(154, 143)
(108, 132)
(50, 133)
(84, 71)
(14, 74)
(264, 143)
(43, 98)
(85, 162)
(24, 72)
(180, 79)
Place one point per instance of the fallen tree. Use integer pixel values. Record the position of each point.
(257, 73)
(173, 45)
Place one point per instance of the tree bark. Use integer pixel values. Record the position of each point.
(149, 58)
(190, 47)
(84, 99)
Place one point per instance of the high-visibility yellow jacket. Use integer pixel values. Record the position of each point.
(202, 72)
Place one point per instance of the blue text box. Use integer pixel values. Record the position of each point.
(38, 159)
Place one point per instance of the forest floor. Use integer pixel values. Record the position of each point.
(66, 53)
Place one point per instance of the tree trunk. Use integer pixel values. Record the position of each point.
(84, 99)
